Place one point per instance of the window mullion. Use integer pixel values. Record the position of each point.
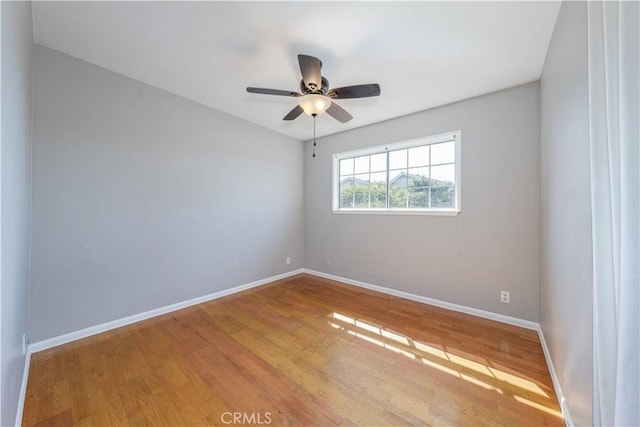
(353, 193)
(369, 182)
(388, 184)
(429, 180)
(406, 200)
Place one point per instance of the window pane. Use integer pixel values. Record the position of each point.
(380, 177)
(443, 153)
(398, 179)
(443, 197)
(418, 177)
(346, 192)
(419, 197)
(362, 164)
(397, 197)
(443, 175)
(361, 197)
(361, 190)
(379, 162)
(419, 156)
(398, 159)
(346, 166)
(378, 189)
(394, 174)
(346, 181)
(362, 179)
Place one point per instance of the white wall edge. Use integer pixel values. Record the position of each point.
(23, 387)
(527, 324)
(555, 380)
(93, 330)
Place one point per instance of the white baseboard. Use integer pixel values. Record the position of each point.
(93, 330)
(23, 387)
(83, 333)
(555, 380)
(430, 301)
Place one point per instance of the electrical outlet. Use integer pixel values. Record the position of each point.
(328, 261)
(505, 296)
(288, 260)
(24, 344)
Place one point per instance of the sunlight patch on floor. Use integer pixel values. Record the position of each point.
(428, 355)
(538, 406)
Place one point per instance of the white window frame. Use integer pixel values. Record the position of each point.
(428, 140)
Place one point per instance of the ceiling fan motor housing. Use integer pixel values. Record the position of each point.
(308, 90)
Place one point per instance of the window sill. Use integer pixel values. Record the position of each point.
(437, 212)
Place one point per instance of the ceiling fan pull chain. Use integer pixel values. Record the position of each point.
(314, 135)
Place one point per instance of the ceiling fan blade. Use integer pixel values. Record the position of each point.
(310, 68)
(357, 91)
(293, 114)
(272, 91)
(339, 113)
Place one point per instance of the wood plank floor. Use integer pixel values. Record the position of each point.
(300, 351)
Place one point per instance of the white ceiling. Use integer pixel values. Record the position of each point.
(423, 54)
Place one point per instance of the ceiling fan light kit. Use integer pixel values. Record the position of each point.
(314, 104)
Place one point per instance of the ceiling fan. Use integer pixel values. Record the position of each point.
(316, 97)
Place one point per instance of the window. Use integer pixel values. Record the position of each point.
(418, 176)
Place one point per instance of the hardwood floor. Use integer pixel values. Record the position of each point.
(301, 351)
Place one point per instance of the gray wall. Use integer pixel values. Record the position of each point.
(565, 238)
(144, 199)
(17, 65)
(466, 259)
